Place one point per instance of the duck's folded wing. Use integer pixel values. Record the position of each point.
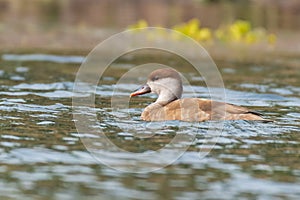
(220, 110)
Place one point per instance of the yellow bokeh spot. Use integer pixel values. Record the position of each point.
(251, 38)
(220, 35)
(272, 38)
(239, 31)
(193, 27)
(140, 24)
(204, 34)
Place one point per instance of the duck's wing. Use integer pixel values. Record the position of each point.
(226, 111)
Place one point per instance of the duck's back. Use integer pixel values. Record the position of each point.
(195, 109)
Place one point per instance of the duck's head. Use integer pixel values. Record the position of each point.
(166, 83)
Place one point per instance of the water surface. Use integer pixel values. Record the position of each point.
(42, 156)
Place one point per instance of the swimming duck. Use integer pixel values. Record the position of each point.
(169, 105)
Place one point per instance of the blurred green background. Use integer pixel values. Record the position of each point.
(43, 44)
(82, 24)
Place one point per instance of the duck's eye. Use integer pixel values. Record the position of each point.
(155, 78)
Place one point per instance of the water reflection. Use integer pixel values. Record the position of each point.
(43, 58)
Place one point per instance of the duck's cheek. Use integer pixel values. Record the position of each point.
(155, 90)
(152, 86)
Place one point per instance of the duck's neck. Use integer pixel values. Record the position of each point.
(167, 89)
(166, 97)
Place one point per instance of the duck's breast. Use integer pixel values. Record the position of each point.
(182, 109)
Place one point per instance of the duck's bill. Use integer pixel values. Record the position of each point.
(144, 89)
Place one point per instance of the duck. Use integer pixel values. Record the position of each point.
(167, 84)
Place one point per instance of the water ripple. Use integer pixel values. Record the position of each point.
(43, 58)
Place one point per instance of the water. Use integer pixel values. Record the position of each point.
(43, 157)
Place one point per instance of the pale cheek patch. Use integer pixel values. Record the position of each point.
(166, 85)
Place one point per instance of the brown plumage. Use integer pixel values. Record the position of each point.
(168, 106)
